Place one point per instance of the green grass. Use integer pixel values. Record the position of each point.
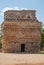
(41, 52)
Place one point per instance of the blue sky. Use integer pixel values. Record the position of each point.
(37, 5)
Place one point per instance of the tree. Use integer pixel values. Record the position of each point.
(42, 37)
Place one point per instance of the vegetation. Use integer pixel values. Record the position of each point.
(42, 37)
(41, 52)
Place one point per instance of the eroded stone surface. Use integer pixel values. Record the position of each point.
(21, 32)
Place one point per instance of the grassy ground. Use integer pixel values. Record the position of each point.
(41, 52)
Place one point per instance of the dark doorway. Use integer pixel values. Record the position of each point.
(22, 47)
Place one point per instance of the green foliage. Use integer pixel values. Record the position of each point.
(41, 52)
(43, 29)
(42, 36)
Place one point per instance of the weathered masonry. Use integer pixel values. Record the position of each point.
(21, 32)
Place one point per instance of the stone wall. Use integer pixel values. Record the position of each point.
(17, 31)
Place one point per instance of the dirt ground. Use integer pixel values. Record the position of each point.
(21, 59)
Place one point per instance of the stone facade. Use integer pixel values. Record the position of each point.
(21, 32)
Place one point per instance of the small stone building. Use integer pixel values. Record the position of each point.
(21, 32)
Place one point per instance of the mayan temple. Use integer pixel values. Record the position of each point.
(21, 32)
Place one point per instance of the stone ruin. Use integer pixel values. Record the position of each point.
(21, 32)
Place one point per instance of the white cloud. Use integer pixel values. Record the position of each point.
(43, 25)
(14, 8)
(9, 8)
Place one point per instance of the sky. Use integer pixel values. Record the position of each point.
(37, 5)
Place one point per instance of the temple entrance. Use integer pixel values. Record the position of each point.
(22, 47)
